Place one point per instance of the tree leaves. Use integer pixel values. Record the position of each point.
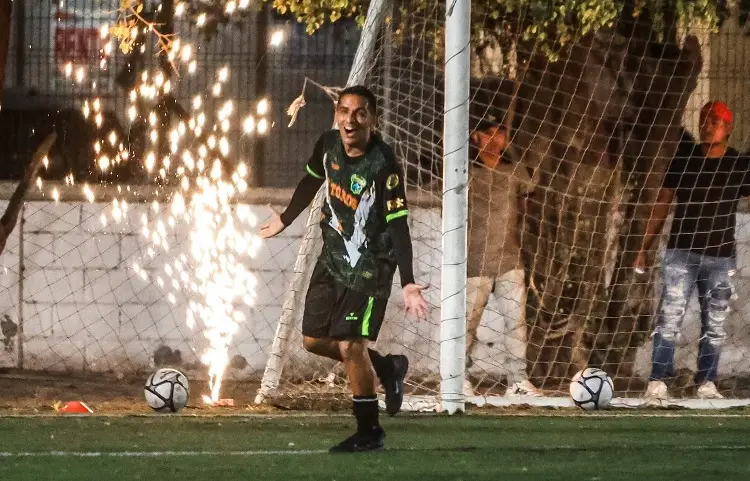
(552, 24)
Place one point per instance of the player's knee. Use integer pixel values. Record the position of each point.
(311, 344)
(353, 350)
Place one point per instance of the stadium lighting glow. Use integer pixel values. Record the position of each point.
(277, 38)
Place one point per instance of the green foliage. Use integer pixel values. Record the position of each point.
(551, 24)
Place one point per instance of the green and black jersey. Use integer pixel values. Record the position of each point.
(363, 195)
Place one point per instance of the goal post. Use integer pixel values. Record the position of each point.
(455, 205)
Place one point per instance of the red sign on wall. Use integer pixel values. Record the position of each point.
(77, 45)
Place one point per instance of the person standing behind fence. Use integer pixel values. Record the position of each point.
(707, 181)
(498, 190)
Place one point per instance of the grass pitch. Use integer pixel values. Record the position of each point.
(466, 447)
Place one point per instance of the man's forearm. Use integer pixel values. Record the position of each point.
(654, 225)
(403, 249)
(658, 216)
(303, 195)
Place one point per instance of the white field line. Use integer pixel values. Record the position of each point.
(302, 452)
(152, 454)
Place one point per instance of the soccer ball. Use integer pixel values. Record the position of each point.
(166, 390)
(591, 389)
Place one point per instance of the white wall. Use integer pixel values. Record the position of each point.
(83, 306)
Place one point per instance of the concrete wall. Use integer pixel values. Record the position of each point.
(727, 69)
(82, 306)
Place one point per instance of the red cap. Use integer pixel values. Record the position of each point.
(719, 109)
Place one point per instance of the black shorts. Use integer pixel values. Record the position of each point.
(333, 311)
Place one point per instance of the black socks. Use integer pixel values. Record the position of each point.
(382, 364)
(366, 413)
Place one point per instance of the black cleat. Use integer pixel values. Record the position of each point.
(361, 443)
(394, 385)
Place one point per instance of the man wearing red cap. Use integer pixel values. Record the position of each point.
(707, 181)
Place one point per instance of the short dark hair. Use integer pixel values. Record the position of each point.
(364, 92)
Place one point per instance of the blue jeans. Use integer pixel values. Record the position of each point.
(682, 271)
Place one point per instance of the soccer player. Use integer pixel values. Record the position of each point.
(365, 237)
(707, 181)
(498, 192)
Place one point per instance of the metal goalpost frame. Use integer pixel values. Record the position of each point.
(455, 205)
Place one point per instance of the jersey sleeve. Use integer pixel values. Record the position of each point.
(314, 165)
(393, 192)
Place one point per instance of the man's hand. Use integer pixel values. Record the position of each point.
(273, 226)
(414, 301)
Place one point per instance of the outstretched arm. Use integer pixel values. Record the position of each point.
(10, 218)
(302, 196)
(396, 212)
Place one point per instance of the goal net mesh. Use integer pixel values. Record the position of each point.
(94, 285)
(554, 230)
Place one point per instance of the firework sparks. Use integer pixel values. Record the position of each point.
(208, 235)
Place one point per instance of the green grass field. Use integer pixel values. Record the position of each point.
(468, 447)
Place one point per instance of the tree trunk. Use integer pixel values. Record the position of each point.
(6, 13)
(599, 130)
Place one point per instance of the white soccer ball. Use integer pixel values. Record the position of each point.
(591, 388)
(166, 390)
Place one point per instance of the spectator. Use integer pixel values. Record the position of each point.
(707, 181)
(498, 189)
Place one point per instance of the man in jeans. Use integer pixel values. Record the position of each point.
(707, 181)
(498, 191)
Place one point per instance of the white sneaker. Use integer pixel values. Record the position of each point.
(522, 388)
(656, 392)
(708, 390)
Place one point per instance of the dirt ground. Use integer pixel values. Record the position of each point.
(24, 392)
(30, 393)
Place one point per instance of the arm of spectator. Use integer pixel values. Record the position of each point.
(654, 225)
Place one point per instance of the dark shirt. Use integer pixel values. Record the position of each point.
(707, 192)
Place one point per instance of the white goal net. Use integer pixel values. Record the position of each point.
(165, 269)
(551, 286)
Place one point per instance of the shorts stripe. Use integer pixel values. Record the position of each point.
(366, 317)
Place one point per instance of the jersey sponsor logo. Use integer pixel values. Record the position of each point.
(357, 184)
(392, 182)
(395, 203)
(345, 197)
(335, 166)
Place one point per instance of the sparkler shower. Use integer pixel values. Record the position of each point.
(212, 234)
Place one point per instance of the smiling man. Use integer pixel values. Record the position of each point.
(365, 237)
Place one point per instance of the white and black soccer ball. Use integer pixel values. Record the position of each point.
(591, 388)
(167, 390)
